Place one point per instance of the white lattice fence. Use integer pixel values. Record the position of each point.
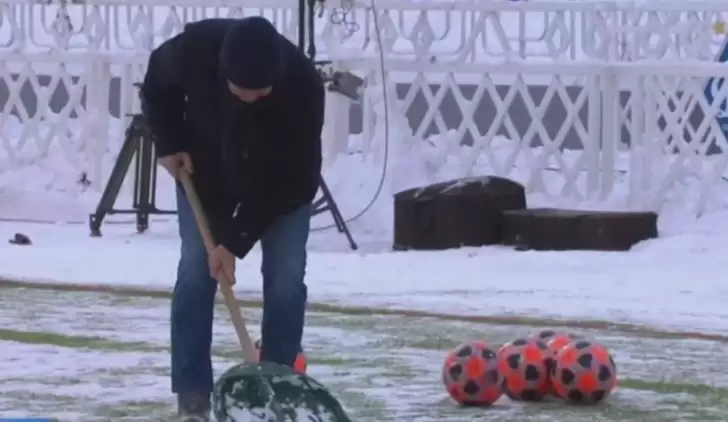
(499, 144)
(56, 112)
(116, 27)
(678, 150)
(589, 62)
(67, 71)
(483, 30)
(565, 93)
(645, 126)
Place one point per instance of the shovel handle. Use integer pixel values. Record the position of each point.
(246, 344)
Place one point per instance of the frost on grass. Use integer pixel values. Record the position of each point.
(273, 393)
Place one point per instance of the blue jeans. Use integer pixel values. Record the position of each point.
(284, 298)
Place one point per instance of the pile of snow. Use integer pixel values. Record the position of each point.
(56, 172)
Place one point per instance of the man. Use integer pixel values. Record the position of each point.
(240, 107)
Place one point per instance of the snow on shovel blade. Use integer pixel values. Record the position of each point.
(273, 393)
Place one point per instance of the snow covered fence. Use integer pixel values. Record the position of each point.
(599, 77)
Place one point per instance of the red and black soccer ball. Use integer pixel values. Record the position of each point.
(546, 335)
(471, 374)
(583, 372)
(554, 341)
(524, 364)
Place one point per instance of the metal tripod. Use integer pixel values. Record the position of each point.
(139, 147)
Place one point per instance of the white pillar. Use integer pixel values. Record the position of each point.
(335, 136)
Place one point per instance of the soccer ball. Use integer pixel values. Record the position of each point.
(523, 363)
(471, 374)
(546, 335)
(584, 372)
(554, 345)
(557, 342)
(300, 365)
(554, 340)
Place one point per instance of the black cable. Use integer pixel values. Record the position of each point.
(342, 16)
(343, 19)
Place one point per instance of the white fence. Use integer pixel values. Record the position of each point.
(621, 98)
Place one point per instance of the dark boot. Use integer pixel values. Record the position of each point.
(193, 407)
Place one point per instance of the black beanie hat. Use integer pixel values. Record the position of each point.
(251, 53)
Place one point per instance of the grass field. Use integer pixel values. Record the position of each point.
(84, 356)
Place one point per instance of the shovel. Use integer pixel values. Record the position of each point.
(254, 390)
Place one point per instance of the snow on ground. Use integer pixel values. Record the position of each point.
(101, 357)
(675, 286)
(670, 282)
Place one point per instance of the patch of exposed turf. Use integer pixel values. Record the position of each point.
(160, 371)
(73, 341)
(373, 409)
(331, 361)
(132, 409)
(667, 387)
(512, 320)
(50, 381)
(435, 342)
(30, 396)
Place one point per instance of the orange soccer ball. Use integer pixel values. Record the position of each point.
(471, 374)
(559, 341)
(584, 372)
(554, 341)
(524, 364)
(300, 365)
(546, 335)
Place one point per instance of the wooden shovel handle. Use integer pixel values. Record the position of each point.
(228, 295)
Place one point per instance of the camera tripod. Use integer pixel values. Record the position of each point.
(139, 147)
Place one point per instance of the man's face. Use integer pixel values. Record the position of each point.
(249, 95)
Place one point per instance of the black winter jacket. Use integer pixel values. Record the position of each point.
(258, 161)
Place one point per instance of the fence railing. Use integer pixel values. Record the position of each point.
(579, 99)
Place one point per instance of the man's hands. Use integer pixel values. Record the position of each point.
(222, 265)
(176, 162)
(221, 260)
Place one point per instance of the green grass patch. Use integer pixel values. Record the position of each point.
(73, 341)
(428, 343)
(670, 387)
(369, 408)
(330, 361)
(333, 308)
(132, 409)
(47, 381)
(25, 396)
(232, 352)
